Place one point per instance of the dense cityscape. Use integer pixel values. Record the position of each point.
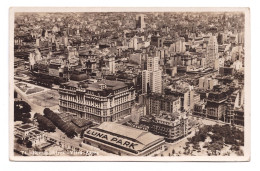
(129, 84)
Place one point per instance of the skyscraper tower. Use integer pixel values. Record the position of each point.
(212, 51)
(140, 21)
(152, 77)
(111, 63)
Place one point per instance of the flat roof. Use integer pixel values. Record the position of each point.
(143, 138)
(36, 131)
(114, 85)
(26, 126)
(110, 84)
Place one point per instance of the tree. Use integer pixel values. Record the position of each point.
(19, 141)
(27, 115)
(44, 123)
(22, 106)
(235, 148)
(26, 120)
(65, 127)
(71, 133)
(47, 111)
(29, 144)
(240, 152)
(21, 110)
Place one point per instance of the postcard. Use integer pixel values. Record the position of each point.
(129, 84)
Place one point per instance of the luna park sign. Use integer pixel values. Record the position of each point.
(113, 139)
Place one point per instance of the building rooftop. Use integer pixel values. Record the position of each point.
(164, 97)
(140, 136)
(36, 132)
(98, 86)
(114, 85)
(26, 126)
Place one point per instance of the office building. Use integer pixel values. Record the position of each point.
(212, 51)
(140, 23)
(186, 96)
(206, 83)
(216, 102)
(157, 41)
(102, 101)
(159, 102)
(152, 77)
(172, 126)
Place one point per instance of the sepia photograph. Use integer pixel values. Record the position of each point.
(129, 84)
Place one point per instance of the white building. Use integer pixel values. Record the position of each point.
(112, 64)
(207, 83)
(212, 51)
(152, 76)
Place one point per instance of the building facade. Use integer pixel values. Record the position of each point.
(167, 103)
(172, 126)
(30, 132)
(212, 51)
(140, 23)
(152, 77)
(102, 101)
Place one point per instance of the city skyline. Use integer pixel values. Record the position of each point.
(158, 84)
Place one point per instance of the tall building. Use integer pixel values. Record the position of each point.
(167, 103)
(37, 42)
(212, 51)
(234, 109)
(207, 83)
(241, 37)
(156, 81)
(135, 42)
(152, 64)
(102, 101)
(140, 21)
(145, 81)
(152, 77)
(186, 96)
(66, 41)
(112, 65)
(157, 40)
(216, 102)
(180, 45)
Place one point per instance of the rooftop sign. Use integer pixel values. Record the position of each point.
(113, 139)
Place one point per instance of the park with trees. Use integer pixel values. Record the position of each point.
(25, 142)
(65, 127)
(215, 138)
(22, 111)
(44, 123)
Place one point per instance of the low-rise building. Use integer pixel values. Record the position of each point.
(123, 140)
(30, 133)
